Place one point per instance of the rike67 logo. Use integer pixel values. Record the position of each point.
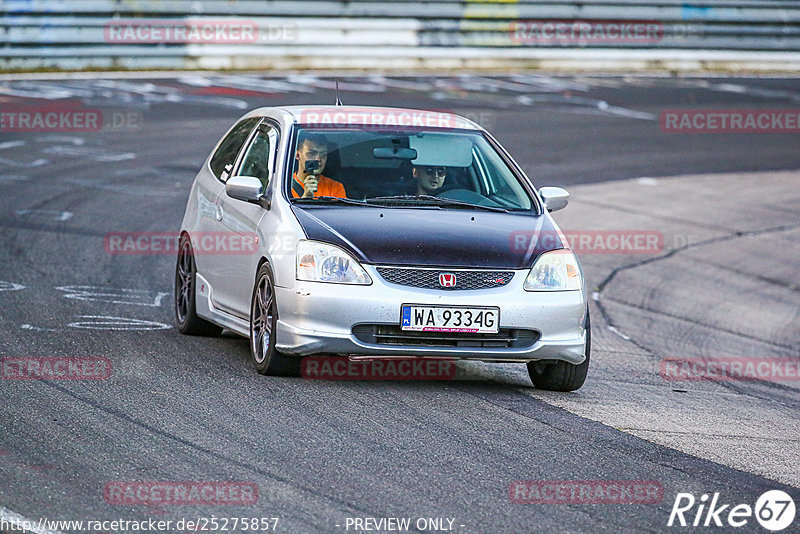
(774, 510)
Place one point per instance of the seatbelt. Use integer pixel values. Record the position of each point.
(297, 187)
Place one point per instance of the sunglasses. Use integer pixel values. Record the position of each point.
(440, 172)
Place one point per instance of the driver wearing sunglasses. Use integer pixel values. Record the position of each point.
(430, 179)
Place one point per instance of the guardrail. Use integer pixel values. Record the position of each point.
(178, 34)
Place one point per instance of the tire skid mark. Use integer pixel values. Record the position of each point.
(676, 317)
(775, 391)
(713, 240)
(761, 278)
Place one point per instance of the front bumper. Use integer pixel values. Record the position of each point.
(316, 317)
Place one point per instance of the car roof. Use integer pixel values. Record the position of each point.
(374, 116)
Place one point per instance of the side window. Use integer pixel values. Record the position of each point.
(223, 159)
(259, 159)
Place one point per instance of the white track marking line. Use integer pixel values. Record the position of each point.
(620, 334)
(400, 84)
(24, 164)
(313, 81)
(68, 139)
(11, 144)
(114, 295)
(740, 89)
(27, 326)
(106, 322)
(10, 286)
(550, 84)
(251, 83)
(59, 216)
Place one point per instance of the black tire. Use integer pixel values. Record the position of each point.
(186, 316)
(562, 376)
(263, 323)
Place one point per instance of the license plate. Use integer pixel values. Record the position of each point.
(482, 320)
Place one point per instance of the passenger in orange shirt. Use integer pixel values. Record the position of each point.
(310, 183)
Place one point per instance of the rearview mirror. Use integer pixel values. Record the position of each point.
(554, 198)
(394, 153)
(247, 188)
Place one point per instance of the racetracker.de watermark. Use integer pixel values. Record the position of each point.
(54, 368)
(485, 118)
(180, 493)
(343, 368)
(730, 120)
(577, 32)
(167, 243)
(730, 369)
(11, 524)
(200, 31)
(586, 492)
(66, 118)
(380, 118)
(590, 241)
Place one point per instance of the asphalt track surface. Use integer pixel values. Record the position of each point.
(179, 408)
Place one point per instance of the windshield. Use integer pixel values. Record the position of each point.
(458, 169)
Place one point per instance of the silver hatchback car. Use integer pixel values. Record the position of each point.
(374, 232)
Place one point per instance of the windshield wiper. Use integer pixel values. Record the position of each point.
(414, 199)
(453, 202)
(314, 200)
(392, 198)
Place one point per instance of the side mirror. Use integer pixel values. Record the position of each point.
(247, 188)
(554, 198)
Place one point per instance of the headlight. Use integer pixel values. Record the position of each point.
(318, 262)
(554, 271)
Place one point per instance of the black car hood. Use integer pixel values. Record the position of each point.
(433, 237)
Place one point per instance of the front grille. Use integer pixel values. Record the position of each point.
(429, 278)
(389, 334)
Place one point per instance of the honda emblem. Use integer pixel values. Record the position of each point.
(447, 279)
